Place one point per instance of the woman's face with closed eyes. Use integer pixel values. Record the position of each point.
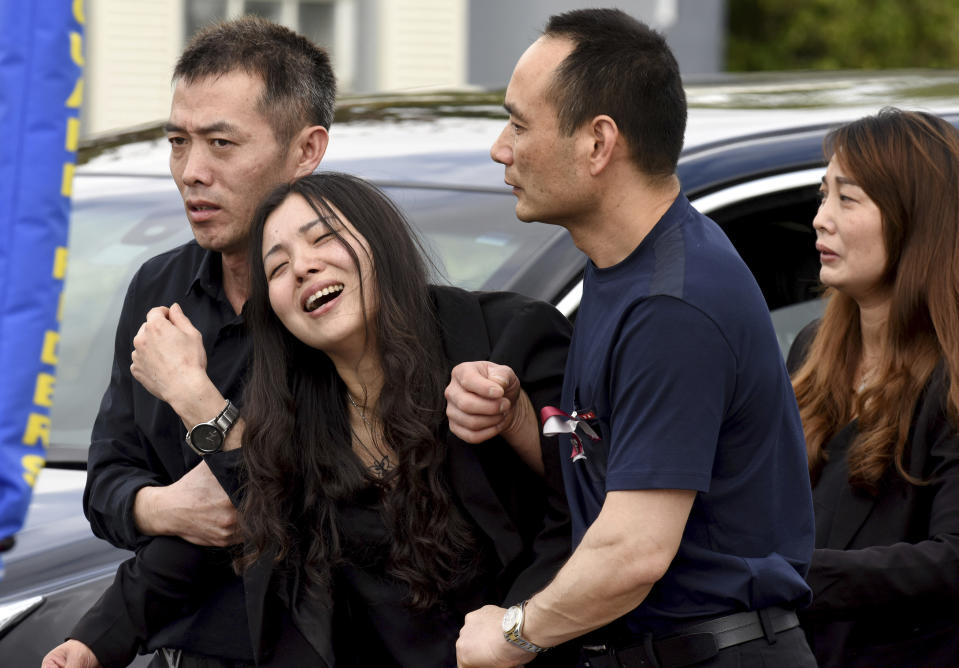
(313, 280)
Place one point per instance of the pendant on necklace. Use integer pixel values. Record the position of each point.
(381, 467)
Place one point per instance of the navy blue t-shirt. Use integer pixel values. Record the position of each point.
(675, 357)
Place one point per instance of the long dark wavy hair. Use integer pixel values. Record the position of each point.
(908, 164)
(297, 443)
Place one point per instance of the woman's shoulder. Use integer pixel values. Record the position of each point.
(503, 326)
(497, 309)
(485, 299)
(800, 346)
(934, 399)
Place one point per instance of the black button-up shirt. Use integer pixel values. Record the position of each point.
(138, 440)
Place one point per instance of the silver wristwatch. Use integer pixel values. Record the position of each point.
(208, 437)
(513, 629)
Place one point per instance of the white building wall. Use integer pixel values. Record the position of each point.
(424, 44)
(404, 45)
(377, 45)
(501, 30)
(131, 48)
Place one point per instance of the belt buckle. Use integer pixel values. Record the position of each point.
(596, 648)
(599, 656)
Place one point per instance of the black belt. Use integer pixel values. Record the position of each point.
(695, 643)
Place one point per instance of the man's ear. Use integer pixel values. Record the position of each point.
(604, 134)
(309, 148)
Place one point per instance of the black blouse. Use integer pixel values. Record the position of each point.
(521, 520)
(885, 571)
(371, 604)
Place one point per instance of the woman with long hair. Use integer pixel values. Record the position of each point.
(371, 498)
(877, 382)
(369, 530)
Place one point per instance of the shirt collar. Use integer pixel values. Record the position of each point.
(208, 277)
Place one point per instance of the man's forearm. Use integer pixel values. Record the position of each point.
(595, 587)
(196, 508)
(109, 503)
(145, 511)
(197, 401)
(623, 554)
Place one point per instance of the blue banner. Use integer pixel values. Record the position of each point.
(41, 88)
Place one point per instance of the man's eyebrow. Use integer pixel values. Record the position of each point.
(512, 111)
(214, 128)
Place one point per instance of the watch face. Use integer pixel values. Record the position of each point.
(206, 438)
(511, 619)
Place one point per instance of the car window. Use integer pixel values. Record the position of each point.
(473, 237)
(111, 235)
(790, 320)
(775, 237)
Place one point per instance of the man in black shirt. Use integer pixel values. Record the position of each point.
(232, 140)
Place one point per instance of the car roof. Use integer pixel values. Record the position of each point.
(443, 139)
(434, 154)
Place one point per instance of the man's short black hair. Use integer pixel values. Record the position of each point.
(621, 67)
(299, 88)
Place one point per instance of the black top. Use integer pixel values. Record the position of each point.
(138, 440)
(885, 571)
(371, 603)
(521, 522)
(522, 518)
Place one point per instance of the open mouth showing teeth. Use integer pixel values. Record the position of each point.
(320, 297)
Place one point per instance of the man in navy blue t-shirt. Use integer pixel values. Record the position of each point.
(684, 459)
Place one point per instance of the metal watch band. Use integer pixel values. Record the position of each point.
(527, 645)
(515, 635)
(227, 417)
(219, 426)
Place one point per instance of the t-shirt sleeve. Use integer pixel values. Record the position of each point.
(674, 376)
